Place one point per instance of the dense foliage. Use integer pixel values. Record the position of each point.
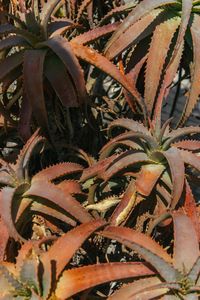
(98, 189)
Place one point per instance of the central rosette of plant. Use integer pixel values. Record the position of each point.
(142, 164)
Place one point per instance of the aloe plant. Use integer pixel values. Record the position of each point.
(161, 19)
(39, 274)
(47, 47)
(153, 161)
(177, 275)
(23, 196)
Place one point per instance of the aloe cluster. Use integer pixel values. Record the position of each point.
(120, 220)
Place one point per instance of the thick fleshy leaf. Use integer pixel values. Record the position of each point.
(152, 252)
(124, 160)
(97, 168)
(22, 163)
(190, 207)
(94, 58)
(64, 51)
(55, 171)
(186, 246)
(177, 169)
(70, 186)
(11, 284)
(190, 159)
(72, 7)
(29, 271)
(10, 63)
(195, 82)
(128, 291)
(148, 177)
(4, 238)
(173, 64)
(82, 7)
(45, 14)
(160, 44)
(62, 31)
(133, 73)
(139, 12)
(71, 242)
(128, 124)
(6, 208)
(33, 85)
(58, 24)
(23, 208)
(27, 35)
(77, 280)
(117, 10)
(178, 133)
(133, 136)
(194, 273)
(104, 205)
(169, 75)
(134, 34)
(25, 115)
(190, 145)
(185, 16)
(94, 34)
(126, 205)
(50, 213)
(61, 82)
(59, 198)
(11, 42)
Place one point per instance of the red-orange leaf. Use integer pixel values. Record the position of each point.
(147, 178)
(161, 40)
(195, 80)
(101, 62)
(59, 198)
(56, 171)
(142, 9)
(132, 35)
(77, 280)
(186, 250)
